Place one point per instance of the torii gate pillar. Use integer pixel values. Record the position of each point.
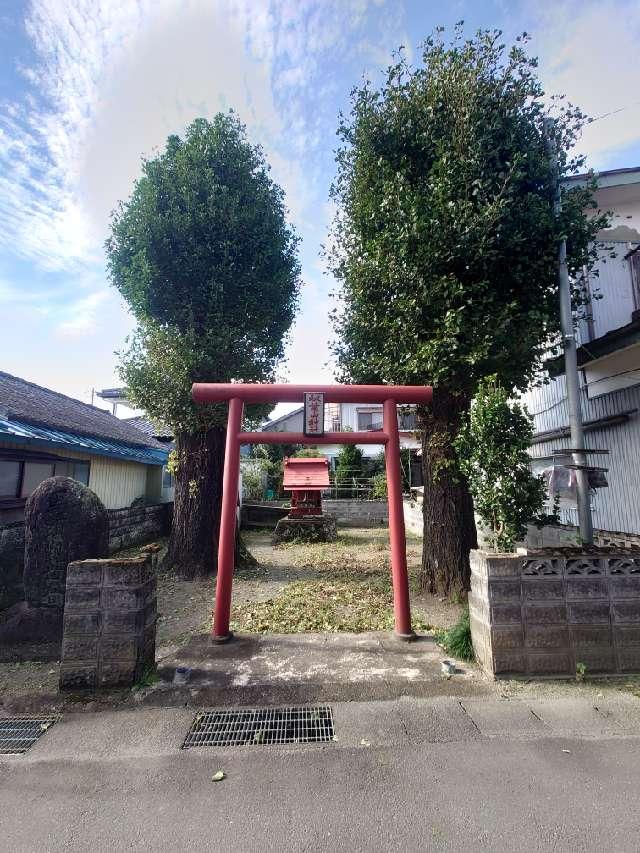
(237, 394)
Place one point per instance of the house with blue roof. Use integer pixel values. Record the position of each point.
(45, 434)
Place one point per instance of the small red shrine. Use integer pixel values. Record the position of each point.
(306, 478)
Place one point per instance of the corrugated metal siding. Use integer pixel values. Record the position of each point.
(614, 285)
(616, 508)
(116, 483)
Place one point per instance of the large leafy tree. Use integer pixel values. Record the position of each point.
(445, 244)
(204, 256)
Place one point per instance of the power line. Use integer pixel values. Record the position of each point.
(613, 112)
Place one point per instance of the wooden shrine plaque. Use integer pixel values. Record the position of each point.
(313, 413)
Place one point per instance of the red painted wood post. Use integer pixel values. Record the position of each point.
(397, 538)
(227, 541)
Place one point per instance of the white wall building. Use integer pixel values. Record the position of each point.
(354, 417)
(609, 361)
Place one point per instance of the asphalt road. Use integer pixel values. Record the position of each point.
(119, 781)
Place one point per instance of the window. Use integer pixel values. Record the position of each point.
(63, 469)
(20, 477)
(34, 474)
(81, 472)
(369, 421)
(167, 478)
(407, 420)
(10, 476)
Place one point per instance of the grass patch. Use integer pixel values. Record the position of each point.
(456, 641)
(344, 603)
(148, 678)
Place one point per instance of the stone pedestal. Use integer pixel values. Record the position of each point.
(310, 528)
(109, 623)
(548, 612)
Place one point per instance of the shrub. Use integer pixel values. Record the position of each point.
(492, 451)
(457, 640)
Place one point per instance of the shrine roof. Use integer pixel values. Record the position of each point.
(306, 473)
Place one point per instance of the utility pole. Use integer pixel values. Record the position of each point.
(570, 356)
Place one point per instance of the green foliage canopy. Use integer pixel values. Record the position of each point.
(349, 469)
(204, 256)
(492, 452)
(445, 240)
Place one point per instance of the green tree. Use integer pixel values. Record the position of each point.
(445, 245)
(204, 256)
(492, 449)
(349, 469)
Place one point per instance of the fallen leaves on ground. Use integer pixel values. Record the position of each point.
(346, 602)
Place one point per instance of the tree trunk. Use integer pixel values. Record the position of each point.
(193, 544)
(449, 530)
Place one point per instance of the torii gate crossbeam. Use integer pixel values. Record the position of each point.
(237, 394)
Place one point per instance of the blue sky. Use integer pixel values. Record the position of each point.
(88, 86)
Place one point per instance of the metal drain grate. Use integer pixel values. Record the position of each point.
(246, 726)
(17, 734)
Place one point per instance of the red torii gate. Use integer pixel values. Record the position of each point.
(237, 394)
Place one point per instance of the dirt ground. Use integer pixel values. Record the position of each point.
(346, 581)
(358, 561)
(345, 584)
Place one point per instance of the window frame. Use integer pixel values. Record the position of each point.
(8, 500)
(22, 457)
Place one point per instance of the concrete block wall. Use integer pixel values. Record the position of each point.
(545, 614)
(109, 624)
(357, 513)
(127, 527)
(135, 525)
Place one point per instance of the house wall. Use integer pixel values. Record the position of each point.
(617, 507)
(349, 422)
(610, 386)
(117, 483)
(291, 423)
(611, 286)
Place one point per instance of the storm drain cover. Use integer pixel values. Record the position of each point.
(247, 726)
(17, 734)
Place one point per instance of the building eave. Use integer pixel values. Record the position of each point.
(17, 432)
(612, 342)
(605, 179)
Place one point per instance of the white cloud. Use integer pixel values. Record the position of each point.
(589, 51)
(110, 79)
(81, 316)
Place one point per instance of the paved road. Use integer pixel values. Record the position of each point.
(411, 775)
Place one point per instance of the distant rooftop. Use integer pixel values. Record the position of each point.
(609, 177)
(112, 393)
(148, 427)
(270, 424)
